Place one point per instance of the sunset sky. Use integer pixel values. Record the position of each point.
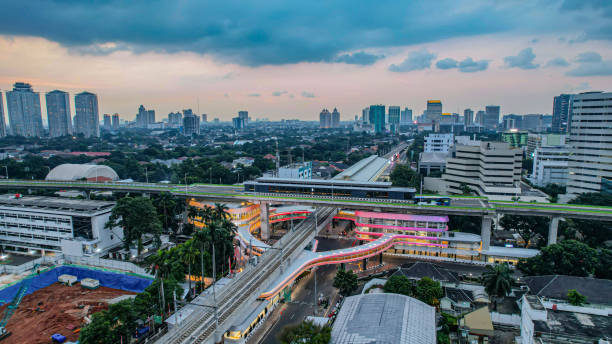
(289, 59)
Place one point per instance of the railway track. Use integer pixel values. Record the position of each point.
(200, 325)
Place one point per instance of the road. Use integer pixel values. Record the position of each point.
(302, 297)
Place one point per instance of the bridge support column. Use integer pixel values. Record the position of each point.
(380, 261)
(485, 232)
(365, 263)
(553, 226)
(265, 220)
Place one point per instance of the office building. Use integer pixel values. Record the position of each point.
(204, 117)
(533, 123)
(58, 113)
(150, 117)
(590, 161)
(512, 121)
(488, 168)
(394, 118)
(406, 116)
(562, 107)
(491, 117)
(142, 117)
(115, 121)
(244, 117)
(191, 123)
(480, 116)
(107, 121)
(365, 115)
(23, 105)
(335, 119)
(2, 123)
(302, 170)
(438, 142)
(57, 225)
(86, 119)
(535, 141)
(515, 138)
(550, 165)
(175, 119)
(325, 119)
(377, 118)
(468, 117)
(238, 123)
(433, 111)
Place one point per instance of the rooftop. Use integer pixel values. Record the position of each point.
(41, 203)
(419, 270)
(384, 318)
(574, 325)
(597, 291)
(364, 170)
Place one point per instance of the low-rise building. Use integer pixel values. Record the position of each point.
(550, 165)
(301, 170)
(48, 225)
(438, 142)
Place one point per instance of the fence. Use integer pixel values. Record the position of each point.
(26, 267)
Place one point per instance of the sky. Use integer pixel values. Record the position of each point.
(288, 59)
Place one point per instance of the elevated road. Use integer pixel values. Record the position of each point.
(201, 327)
(474, 206)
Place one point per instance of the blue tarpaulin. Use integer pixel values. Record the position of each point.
(108, 279)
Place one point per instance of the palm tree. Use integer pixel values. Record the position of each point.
(189, 254)
(497, 280)
(221, 210)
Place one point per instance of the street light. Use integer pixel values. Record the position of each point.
(147, 175)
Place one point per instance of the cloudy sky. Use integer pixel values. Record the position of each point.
(289, 59)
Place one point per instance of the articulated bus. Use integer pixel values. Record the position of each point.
(432, 200)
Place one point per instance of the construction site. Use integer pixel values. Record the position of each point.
(51, 299)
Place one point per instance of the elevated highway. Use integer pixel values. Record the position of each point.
(473, 206)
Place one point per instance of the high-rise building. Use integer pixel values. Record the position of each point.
(512, 121)
(406, 116)
(590, 164)
(191, 123)
(468, 117)
(434, 111)
(491, 119)
(377, 117)
(175, 119)
(58, 113)
(532, 122)
(86, 119)
(204, 117)
(335, 119)
(238, 123)
(394, 118)
(365, 115)
(480, 115)
(150, 117)
(24, 110)
(244, 117)
(107, 121)
(438, 143)
(115, 121)
(2, 123)
(142, 117)
(325, 119)
(562, 108)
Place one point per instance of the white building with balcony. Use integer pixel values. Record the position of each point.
(438, 142)
(48, 225)
(550, 165)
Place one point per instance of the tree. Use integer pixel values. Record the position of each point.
(398, 284)
(305, 332)
(113, 325)
(168, 208)
(465, 189)
(528, 227)
(428, 291)
(497, 280)
(189, 254)
(575, 298)
(137, 217)
(604, 267)
(569, 257)
(403, 175)
(593, 233)
(345, 281)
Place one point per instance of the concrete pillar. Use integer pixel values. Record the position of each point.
(365, 263)
(381, 258)
(552, 230)
(265, 220)
(485, 232)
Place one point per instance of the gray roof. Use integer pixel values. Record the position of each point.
(419, 270)
(57, 204)
(384, 319)
(70, 172)
(597, 291)
(364, 170)
(588, 327)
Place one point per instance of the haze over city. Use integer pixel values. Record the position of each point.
(222, 58)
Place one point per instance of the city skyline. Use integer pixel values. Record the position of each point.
(484, 54)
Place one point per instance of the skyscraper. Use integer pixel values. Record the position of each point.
(150, 117)
(58, 113)
(325, 119)
(480, 115)
(377, 117)
(335, 119)
(244, 117)
(115, 121)
(468, 117)
(86, 119)
(191, 123)
(394, 118)
(562, 109)
(107, 121)
(406, 116)
(142, 117)
(590, 166)
(491, 119)
(434, 110)
(2, 123)
(365, 115)
(24, 110)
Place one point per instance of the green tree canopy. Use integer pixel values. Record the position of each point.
(429, 291)
(345, 281)
(398, 284)
(497, 280)
(530, 228)
(569, 257)
(403, 175)
(137, 216)
(110, 326)
(575, 298)
(305, 332)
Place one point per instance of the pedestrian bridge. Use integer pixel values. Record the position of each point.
(308, 259)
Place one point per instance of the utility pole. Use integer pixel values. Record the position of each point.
(277, 159)
(213, 286)
(314, 305)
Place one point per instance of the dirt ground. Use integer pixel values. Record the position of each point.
(64, 309)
